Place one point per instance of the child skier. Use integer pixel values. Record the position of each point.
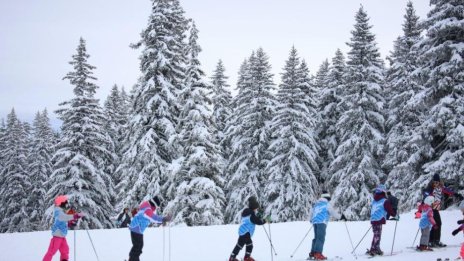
(60, 229)
(246, 230)
(460, 228)
(140, 222)
(321, 213)
(379, 210)
(426, 223)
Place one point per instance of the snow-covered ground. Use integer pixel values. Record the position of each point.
(215, 243)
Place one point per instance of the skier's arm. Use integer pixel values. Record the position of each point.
(150, 215)
(65, 217)
(333, 213)
(431, 219)
(256, 220)
(388, 207)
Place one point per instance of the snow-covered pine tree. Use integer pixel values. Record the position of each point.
(2, 141)
(40, 167)
(116, 119)
(293, 166)
(320, 81)
(356, 169)
(441, 75)
(155, 108)
(221, 99)
(16, 184)
(196, 190)
(329, 98)
(84, 150)
(248, 132)
(403, 117)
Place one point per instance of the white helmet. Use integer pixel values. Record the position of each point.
(429, 200)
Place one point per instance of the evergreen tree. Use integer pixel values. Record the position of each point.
(221, 99)
(144, 167)
(403, 116)
(293, 166)
(16, 184)
(329, 99)
(40, 167)
(248, 132)
(356, 168)
(116, 119)
(320, 80)
(441, 100)
(196, 190)
(85, 149)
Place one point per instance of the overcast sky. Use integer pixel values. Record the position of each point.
(38, 38)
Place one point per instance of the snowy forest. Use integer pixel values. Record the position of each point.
(177, 133)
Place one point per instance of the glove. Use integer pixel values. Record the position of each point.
(456, 231)
(418, 215)
(78, 215)
(460, 222)
(343, 217)
(268, 219)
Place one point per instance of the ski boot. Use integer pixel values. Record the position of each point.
(440, 244)
(233, 259)
(319, 256)
(311, 256)
(424, 248)
(248, 259)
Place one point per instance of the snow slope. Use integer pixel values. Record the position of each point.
(214, 243)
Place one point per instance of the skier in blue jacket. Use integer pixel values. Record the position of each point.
(321, 213)
(247, 229)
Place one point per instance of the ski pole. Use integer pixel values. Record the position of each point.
(75, 244)
(413, 242)
(394, 235)
(270, 237)
(164, 245)
(361, 240)
(93, 246)
(349, 236)
(169, 242)
(301, 242)
(270, 241)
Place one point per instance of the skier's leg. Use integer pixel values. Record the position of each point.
(52, 249)
(322, 237)
(377, 230)
(318, 228)
(313, 245)
(437, 217)
(64, 249)
(425, 235)
(249, 245)
(137, 245)
(240, 243)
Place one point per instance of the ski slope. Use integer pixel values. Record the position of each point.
(214, 243)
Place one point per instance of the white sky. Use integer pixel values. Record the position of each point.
(37, 39)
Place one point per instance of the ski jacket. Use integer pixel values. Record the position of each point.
(380, 207)
(427, 219)
(437, 193)
(249, 221)
(144, 217)
(322, 211)
(60, 222)
(124, 219)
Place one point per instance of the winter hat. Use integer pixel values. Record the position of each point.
(380, 189)
(429, 200)
(60, 200)
(326, 195)
(253, 202)
(436, 177)
(155, 202)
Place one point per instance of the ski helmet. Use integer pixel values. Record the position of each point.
(60, 199)
(429, 200)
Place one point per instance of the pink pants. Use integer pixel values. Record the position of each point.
(462, 251)
(57, 243)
